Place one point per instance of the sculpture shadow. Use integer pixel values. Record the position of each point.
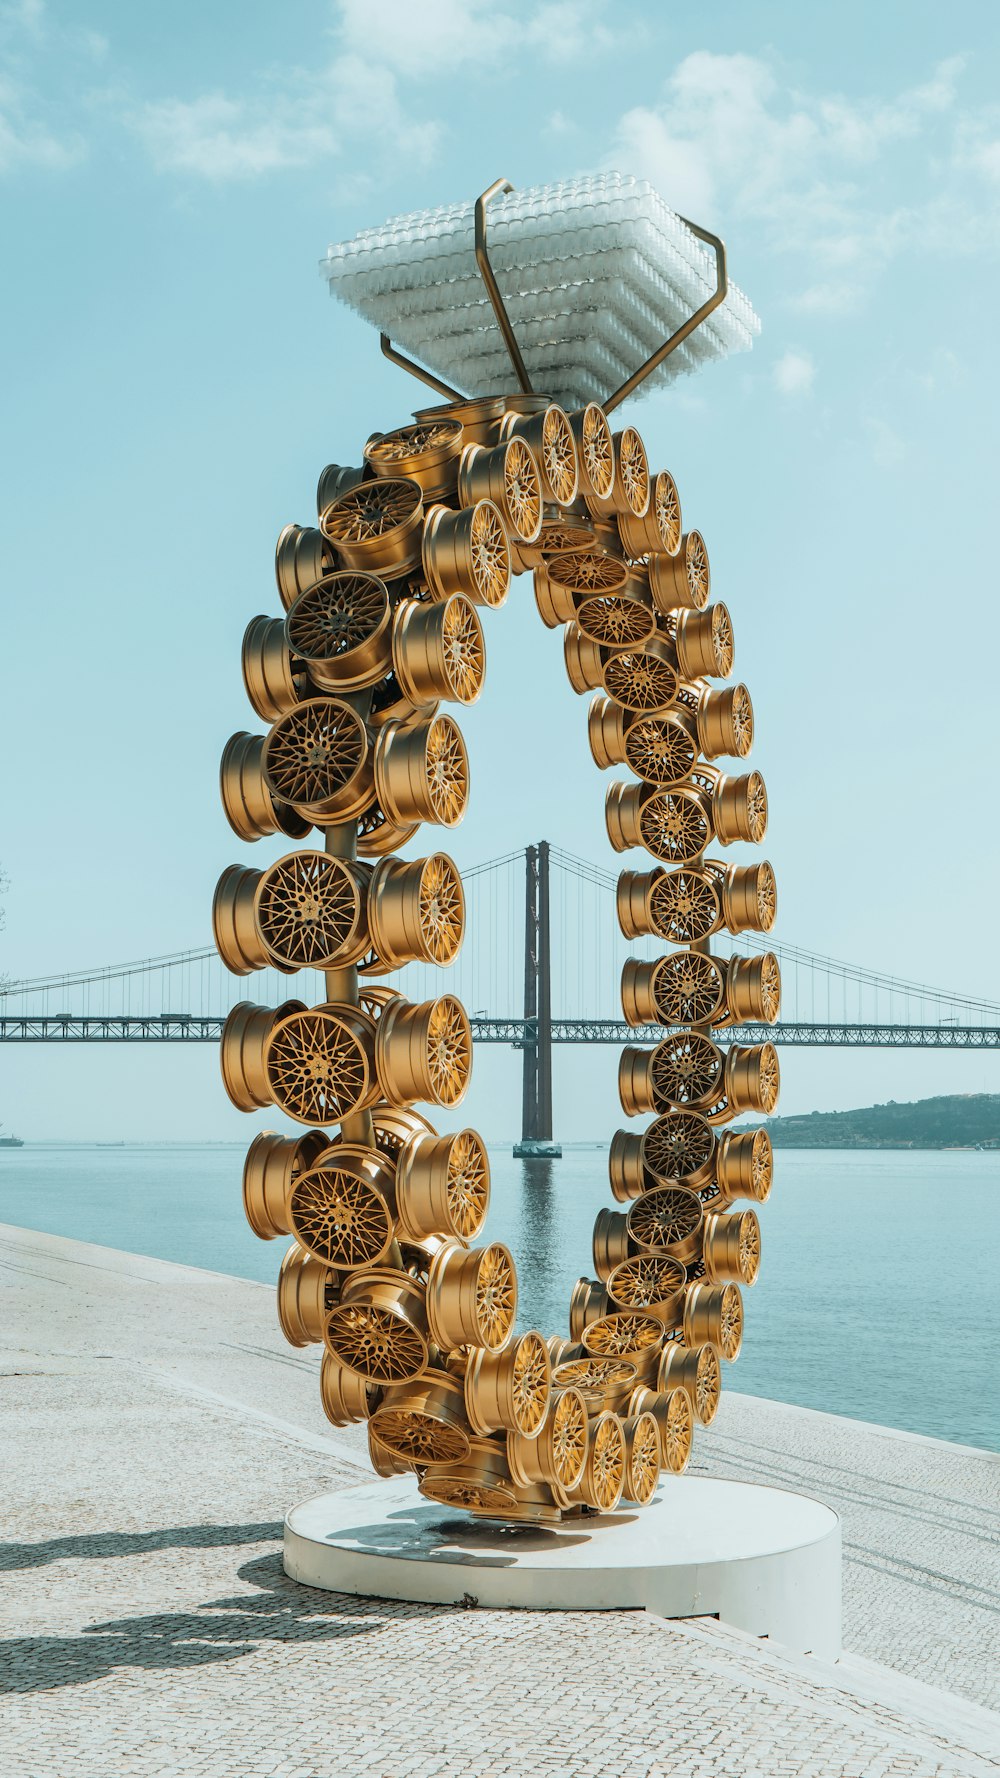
(104, 1544)
(421, 1532)
(224, 1629)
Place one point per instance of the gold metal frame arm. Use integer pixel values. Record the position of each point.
(492, 287)
(687, 327)
(426, 376)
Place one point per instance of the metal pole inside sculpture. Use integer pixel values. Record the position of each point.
(596, 288)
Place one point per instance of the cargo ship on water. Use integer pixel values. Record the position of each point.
(11, 1142)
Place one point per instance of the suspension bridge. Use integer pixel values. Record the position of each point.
(541, 966)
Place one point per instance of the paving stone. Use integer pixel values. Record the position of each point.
(157, 1429)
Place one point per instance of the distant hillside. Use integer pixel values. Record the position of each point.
(961, 1120)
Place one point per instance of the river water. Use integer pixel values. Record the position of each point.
(878, 1296)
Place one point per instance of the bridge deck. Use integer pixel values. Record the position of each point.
(518, 1033)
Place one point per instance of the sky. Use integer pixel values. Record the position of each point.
(175, 375)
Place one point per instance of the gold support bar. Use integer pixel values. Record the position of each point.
(687, 327)
(492, 287)
(425, 376)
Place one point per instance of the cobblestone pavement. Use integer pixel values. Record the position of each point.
(155, 1427)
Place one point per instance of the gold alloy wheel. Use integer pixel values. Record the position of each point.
(384, 606)
(340, 629)
(377, 527)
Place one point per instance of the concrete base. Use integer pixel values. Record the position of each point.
(537, 1151)
(760, 1559)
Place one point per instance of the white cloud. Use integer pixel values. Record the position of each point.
(219, 138)
(26, 140)
(794, 373)
(814, 175)
(379, 46)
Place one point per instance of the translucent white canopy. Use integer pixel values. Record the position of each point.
(595, 273)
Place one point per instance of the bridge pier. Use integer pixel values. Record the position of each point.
(536, 1055)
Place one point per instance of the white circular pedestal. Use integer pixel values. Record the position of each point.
(765, 1561)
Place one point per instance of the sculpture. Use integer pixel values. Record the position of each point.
(385, 599)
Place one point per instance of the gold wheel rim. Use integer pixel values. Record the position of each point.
(673, 826)
(678, 1145)
(659, 750)
(375, 1344)
(643, 1462)
(640, 681)
(686, 1068)
(449, 1050)
(615, 621)
(468, 1189)
(667, 508)
(689, 988)
(633, 471)
(490, 553)
(317, 1068)
(314, 752)
(646, 1279)
(339, 615)
(441, 908)
(371, 511)
(340, 1217)
(308, 907)
(664, 1218)
(447, 771)
(684, 906)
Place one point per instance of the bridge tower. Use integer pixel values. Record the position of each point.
(536, 1091)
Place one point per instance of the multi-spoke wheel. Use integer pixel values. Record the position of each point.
(426, 453)
(650, 1281)
(379, 1328)
(510, 1390)
(732, 1248)
(753, 1078)
(423, 1422)
(554, 1456)
(642, 679)
(549, 437)
(667, 1220)
(680, 579)
(753, 987)
(442, 1185)
(424, 1052)
(686, 1069)
(672, 824)
(695, 1370)
(377, 527)
(672, 1411)
(341, 1210)
(725, 722)
(658, 531)
(507, 475)
(660, 749)
(615, 620)
(739, 809)
(467, 552)
(416, 910)
(307, 1291)
(683, 906)
(642, 1458)
(600, 1381)
(749, 897)
(688, 988)
(340, 628)
(679, 1145)
(626, 1334)
(713, 1316)
(309, 911)
(438, 650)
(422, 771)
(471, 1296)
(319, 1064)
(316, 758)
(704, 642)
(595, 451)
(603, 1480)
